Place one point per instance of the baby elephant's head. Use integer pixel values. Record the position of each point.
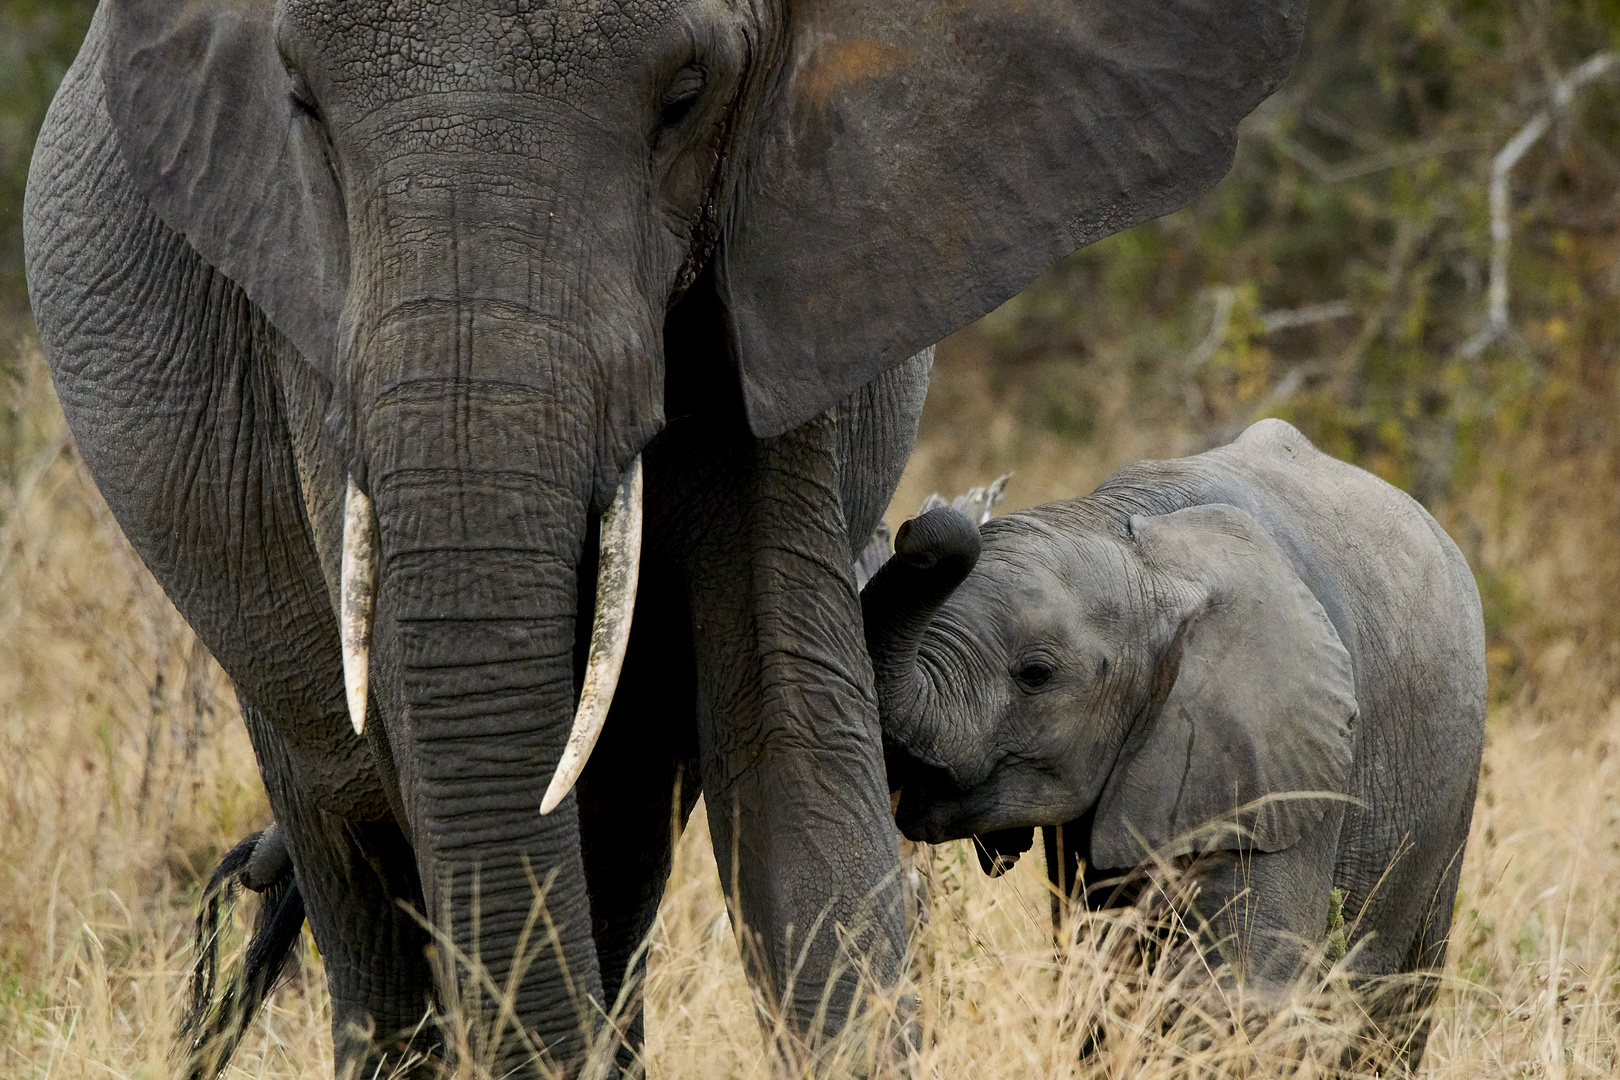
(1163, 671)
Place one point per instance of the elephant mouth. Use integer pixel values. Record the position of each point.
(999, 849)
(931, 807)
(930, 798)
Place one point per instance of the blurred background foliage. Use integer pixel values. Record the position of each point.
(1336, 279)
(38, 40)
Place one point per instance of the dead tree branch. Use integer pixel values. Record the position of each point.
(1496, 319)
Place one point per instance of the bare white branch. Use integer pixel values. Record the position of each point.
(1224, 296)
(1496, 318)
(1309, 315)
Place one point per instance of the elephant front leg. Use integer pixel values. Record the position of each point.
(789, 741)
(1266, 913)
(637, 793)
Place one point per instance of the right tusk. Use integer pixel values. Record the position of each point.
(610, 631)
(358, 597)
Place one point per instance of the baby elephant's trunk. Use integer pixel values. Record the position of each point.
(933, 554)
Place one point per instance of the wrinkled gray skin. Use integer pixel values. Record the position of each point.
(477, 256)
(1196, 634)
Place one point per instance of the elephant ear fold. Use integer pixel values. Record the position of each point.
(918, 162)
(209, 131)
(1258, 701)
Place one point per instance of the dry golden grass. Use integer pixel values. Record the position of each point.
(124, 775)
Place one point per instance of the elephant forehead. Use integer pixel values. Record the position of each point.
(1016, 579)
(1031, 564)
(574, 47)
(1011, 603)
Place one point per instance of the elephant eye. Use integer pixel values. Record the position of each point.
(1033, 675)
(303, 101)
(680, 96)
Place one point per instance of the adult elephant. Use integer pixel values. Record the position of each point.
(363, 314)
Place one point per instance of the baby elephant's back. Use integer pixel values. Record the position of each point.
(1409, 613)
(1397, 589)
(1394, 585)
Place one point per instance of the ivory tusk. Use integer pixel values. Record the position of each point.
(359, 595)
(620, 564)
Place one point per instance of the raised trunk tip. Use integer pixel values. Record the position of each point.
(933, 554)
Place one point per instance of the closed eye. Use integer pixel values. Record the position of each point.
(681, 96)
(302, 100)
(305, 107)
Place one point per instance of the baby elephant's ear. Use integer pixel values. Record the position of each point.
(916, 162)
(210, 133)
(1260, 701)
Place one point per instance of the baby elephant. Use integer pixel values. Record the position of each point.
(1197, 634)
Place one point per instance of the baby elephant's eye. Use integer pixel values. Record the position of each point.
(1033, 675)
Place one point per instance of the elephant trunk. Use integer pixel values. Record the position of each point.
(933, 554)
(490, 440)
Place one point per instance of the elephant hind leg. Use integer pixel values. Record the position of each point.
(629, 844)
(1405, 1009)
(360, 890)
(212, 1029)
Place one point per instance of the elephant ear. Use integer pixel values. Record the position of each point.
(1260, 701)
(210, 133)
(920, 161)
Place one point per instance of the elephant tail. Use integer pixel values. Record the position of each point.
(216, 1020)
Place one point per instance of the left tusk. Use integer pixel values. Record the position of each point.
(610, 631)
(358, 597)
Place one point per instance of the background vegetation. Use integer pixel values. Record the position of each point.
(1339, 278)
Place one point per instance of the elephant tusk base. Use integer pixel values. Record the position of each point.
(620, 567)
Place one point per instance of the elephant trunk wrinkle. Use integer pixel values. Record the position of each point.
(940, 699)
(485, 439)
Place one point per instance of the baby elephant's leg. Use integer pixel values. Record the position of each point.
(1267, 913)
